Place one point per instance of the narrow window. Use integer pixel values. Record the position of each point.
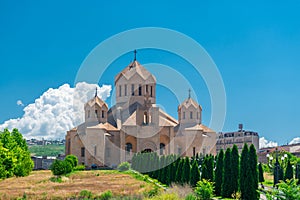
(194, 151)
(132, 89)
(96, 113)
(82, 151)
(183, 115)
(128, 147)
(162, 148)
(120, 90)
(191, 115)
(69, 146)
(95, 150)
(146, 89)
(151, 91)
(125, 90)
(102, 113)
(146, 120)
(89, 113)
(140, 90)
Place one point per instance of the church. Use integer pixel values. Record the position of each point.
(135, 124)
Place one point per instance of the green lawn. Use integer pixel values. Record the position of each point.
(47, 150)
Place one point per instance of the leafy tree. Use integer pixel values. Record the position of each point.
(72, 159)
(235, 167)
(15, 158)
(195, 174)
(260, 173)
(219, 173)
(58, 167)
(298, 172)
(227, 177)
(289, 171)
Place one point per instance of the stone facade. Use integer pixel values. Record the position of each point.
(239, 138)
(135, 123)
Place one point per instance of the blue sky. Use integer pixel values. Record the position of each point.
(255, 45)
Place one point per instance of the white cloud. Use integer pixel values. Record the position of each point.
(295, 140)
(263, 143)
(20, 103)
(56, 111)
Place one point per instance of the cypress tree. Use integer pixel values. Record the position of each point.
(195, 174)
(179, 171)
(235, 169)
(244, 172)
(260, 173)
(186, 175)
(289, 171)
(298, 172)
(227, 177)
(219, 173)
(210, 168)
(204, 171)
(253, 178)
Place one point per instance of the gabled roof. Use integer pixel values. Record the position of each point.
(96, 100)
(200, 127)
(134, 68)
(189, 102)
(106, 126)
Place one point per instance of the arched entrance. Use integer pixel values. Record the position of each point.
(146, 151)
(148, 147)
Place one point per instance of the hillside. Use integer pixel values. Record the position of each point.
(39, 186)
(46, 150)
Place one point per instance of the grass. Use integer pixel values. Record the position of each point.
(40, 185)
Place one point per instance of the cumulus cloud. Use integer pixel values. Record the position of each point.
(56, 111)
(263, 143)
(20, 103)
(295, 140)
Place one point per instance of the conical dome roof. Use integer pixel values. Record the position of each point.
(135, 68)
(188, 102)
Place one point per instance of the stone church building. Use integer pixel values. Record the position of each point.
(135, 123)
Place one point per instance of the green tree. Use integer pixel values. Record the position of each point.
(14, 155)
(72, 159)
(244, 173)
(195, 173)
(227, 177)
(260, 173)
(58, 168)
(253, 171)
(235, 169)
(186, 173)
(219, 173)
(179, 171)
(298, 172)
(288, 190)
(210, 168)
(289, 171)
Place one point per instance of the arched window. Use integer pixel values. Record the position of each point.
(146, 118)
(162, 148)
(128, 147)
(102, 113)
(191, 115)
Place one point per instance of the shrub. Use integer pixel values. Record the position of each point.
(106, 195)
(124, 166)
(85, 194)
(60, 167)
(72, 159)
(190, 197)
(204, 189)
(79, 168)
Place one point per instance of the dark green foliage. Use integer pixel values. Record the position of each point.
(58, 167)
(260, 173)
(235, 169)
(72, 159)
(14, 155)
(195, 174)
(289, 171)
(253, 171)
(227, 177)
(219, 173)
(210, 168)
(244, 174)
(179, 169)
(186, 172)
(297, 175)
